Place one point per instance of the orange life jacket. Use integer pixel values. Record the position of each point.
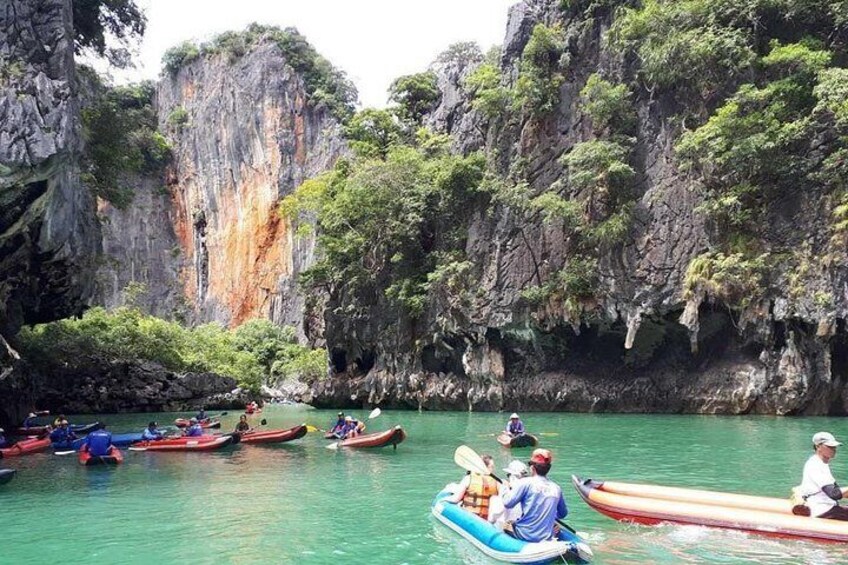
(480, 489)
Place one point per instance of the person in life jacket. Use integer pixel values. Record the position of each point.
(58, 421)
(99, 442)
(338, 428)
(475, 491)
(352, 427)
(63, 436)
(150, 433)
(194, 430)
(201, 416)
(515, 427)
(242, 426)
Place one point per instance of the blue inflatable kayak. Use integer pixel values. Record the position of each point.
(6, 475)
(68, 445)
(125, 440)
(496, 544)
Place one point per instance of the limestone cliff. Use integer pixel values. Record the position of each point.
(49, 236)
(642, 341)
(244, 136)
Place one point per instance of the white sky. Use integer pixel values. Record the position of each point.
(374, 41)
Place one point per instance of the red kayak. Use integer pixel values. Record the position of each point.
(198, 443)
(391, 437)
(274, 436)
(113, 458)
(25, 447)
(205, 424)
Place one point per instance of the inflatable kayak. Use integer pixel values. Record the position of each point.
(208, 423)
(125, 440)
(113, 458)
(391, 437)
(199, 443)
(6, 475)
(68, 445)
(25, 447)
(274, 436)
(650, 505)
(497, 545)
(31, 431)
(524, 440)
(331, 435)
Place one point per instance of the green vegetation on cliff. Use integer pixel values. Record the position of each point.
(252, 353)
(106, 28)
(325, 84)
(121, 135)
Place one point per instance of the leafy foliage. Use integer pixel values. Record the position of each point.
(389, 225)
(251, 353)
(414, 95)
(489, 96)
(609, 106)
(733, 278)
(99, 24)
(575, 284)
(326, 85)
(372, 133)
(540, 77)
(120, 130)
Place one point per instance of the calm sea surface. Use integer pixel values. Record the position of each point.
(302, 503)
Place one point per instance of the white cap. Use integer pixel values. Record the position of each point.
(193, 420)
(514, 415)
(2, 431)
(825, 438)
(516, 468)
(31, 415)
(348, 418)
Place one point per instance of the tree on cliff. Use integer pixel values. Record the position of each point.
(97, 21)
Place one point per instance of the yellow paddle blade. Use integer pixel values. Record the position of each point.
(312, 428)
(468, 459)
(549, 433)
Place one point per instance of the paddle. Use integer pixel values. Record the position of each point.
(64, 452)
(468, 459)
(374, 414)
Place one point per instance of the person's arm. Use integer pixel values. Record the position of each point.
(520, 428)
(514, 496)
(562, 509)
(833, 491)
(456, 497)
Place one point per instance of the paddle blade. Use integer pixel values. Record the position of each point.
(136, 449)
(263, 422)
(224, 413)
(468, 459)
(374, 413)
(584, 551)
(63, 452)
(311, 428)
(549, 433)
(334, 445)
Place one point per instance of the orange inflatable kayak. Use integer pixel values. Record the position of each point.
(650, 505)
(274, 436)
(391, 437)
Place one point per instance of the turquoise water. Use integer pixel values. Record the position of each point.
(303, 503)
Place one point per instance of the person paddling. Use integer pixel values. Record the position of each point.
(99, 442)
(818, 485)
(58, 421)
(63, 436)
(515, 427)
(151, 433)
(351, 428)
(242, 426)
(194, 430)
(29, 422)
(338, 428)
(541, 501)
(201, 416)
(475, 491)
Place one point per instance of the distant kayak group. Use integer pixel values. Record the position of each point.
(517, 520)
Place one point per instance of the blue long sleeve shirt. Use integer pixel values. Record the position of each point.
(542, 504)
(194, 431)
(99, 442)
(147, 435)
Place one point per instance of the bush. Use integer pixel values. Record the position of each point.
(735, 279)
(415, 96)
(487, 93)
(179, 56)
(571, 287)
(609, 106)
(537, 90)
(251, 353)
(178, 118)
(372, 133)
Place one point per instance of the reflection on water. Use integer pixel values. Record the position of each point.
(302, 503)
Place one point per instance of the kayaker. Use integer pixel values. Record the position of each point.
(499, 515)
(3, 441)
(99, 442)
(151, 433)
(338, 427)
(818, 485)
(63, 435)
(201, 416)
(58, 420)
(242, 426)
(515, 427)
(475, 490)
(351, 428)
(29, 422)
(541, 501)
(194, 429)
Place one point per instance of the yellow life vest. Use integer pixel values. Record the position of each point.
(480, 489)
